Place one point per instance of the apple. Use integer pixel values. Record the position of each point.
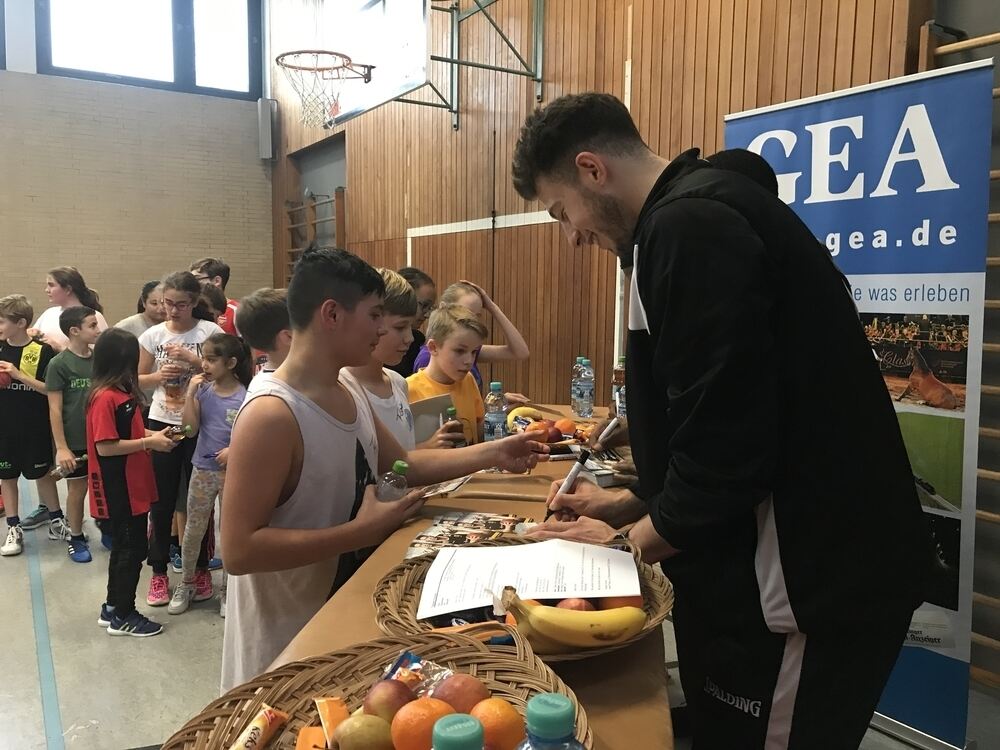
(461, 691)
(386, 697)
(579, 604)
(554, 435)
(364, 733)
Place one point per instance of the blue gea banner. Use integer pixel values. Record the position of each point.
(893, 178)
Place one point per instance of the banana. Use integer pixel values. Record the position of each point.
(539, 643)
(567, 627)
(521, 411)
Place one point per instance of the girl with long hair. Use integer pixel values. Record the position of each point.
(65, 287)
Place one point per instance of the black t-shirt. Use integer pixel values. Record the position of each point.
(405, 366)
(22, 408)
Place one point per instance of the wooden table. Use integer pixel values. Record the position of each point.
(625, 692)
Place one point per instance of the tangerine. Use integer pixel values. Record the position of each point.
(413, 724)
(503, 726)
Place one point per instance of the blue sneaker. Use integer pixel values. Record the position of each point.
(106, 540)
(104, 619)
(36, 518)
(175, 559)
(135, 625)
(215, 563)
(79, 551)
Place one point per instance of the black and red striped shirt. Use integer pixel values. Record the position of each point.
(115, 415)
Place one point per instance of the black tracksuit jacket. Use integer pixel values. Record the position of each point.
(765, 440)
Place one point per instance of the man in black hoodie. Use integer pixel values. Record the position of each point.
(774, 485)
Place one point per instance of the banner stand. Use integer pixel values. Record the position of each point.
(914, 737)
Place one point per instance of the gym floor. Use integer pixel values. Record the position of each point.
(68, 684)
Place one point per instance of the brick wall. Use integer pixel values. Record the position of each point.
(127, 184)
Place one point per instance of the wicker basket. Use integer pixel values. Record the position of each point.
(397, 596)
(510, 672)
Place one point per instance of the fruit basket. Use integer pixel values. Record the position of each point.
(513, 673)
(397, 596)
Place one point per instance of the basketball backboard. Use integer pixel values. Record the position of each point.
(391, 35)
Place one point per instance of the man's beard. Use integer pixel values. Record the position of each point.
(611, 221)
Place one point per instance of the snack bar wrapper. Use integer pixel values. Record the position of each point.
(259, 732)
(417, 673)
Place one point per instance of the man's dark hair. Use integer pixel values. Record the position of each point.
(748, 164)
(552, 136)
(212, 267)
(416, 277)
(73, 317)
(261, 316)
(322, 274)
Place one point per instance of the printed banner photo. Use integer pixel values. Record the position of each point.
(893, 178)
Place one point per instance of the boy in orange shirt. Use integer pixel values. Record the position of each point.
(454, 334)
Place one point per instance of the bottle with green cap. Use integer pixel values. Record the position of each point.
(452, 414)
(551, 724)
(457, 732)
(392, 485)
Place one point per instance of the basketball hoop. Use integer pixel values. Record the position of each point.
(317, 77)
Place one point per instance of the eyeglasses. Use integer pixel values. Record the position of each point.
(179, 306)
(426, 304)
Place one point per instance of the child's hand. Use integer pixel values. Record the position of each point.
(195, 383)
(222, 457)
(170, 370)
(66, 460)
(446, 436)
(9, 368)
(488, 304)
(161, 441)
(176, 351)
(383, 518)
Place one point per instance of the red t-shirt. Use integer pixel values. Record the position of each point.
(227, 321)
(114, 480)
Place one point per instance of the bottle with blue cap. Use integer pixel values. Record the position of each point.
(551, 724)
(457, 732)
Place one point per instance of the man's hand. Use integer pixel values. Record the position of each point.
(519, 453)
(582, 529)
(66, 460)
(618, 437)
(380, 519)
(446, 436)
(587, 499)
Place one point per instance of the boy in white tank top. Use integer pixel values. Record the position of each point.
(304, 454)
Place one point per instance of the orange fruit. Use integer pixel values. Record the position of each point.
(614, 602)
(536, 427)
(509, 618)
(413, 724)
(503, 726)
(566, 426)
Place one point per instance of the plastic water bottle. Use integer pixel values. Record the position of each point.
(452, 414)
(495, 427)
(618, 388)
(392, 485)
(60, 473)
(457, 732)
(573, 384)
(551, 724)
(585, 399)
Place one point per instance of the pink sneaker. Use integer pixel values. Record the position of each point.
(159, 591)
(203, 586)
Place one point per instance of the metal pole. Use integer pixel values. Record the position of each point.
(538, 56)
(502, 35)
(484, 66)
(455, 47)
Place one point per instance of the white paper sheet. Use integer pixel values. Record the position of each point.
(463, 577)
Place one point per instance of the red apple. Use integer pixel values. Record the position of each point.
(582, 605)
(462, 692)
(554, 435)
(386, 697)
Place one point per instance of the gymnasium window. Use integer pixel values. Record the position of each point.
(197, 46)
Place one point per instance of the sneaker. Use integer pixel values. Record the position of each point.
(79, 551)
(106, 540)
(203, 586)
(215, 563)
(176, 562)
(135, 624)
(159, 591)
(104, 619)
(36, 518)
(59, 530)
(15, 542)
(183, 594)
(222, 602)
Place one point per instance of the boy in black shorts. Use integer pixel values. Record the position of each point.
(25, 438)
(67, 380)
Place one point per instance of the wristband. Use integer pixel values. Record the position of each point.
(143, 442)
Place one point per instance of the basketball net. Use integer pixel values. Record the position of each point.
(318, 77)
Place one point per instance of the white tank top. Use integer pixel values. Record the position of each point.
(265, 611)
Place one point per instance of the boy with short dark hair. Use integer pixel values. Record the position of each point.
(25, 437)
(304, 454)
(215, 271)
(454, 335)
(67, 381)
(262, 319)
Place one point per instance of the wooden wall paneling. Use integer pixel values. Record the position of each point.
(722, 97)
(765, 52)
(811, 47)
(751, 64)
(845, 44)
(779, 66)
(687, 81)
(381, 253)
(739, 55)
(665, 90)
(864, 29)
(642, 33)
(701, 54)
(827, 45)
(796, 32)
(712, 138)
(881, 31)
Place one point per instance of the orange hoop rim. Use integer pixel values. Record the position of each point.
(344, 60)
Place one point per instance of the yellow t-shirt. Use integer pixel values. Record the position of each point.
(464, 394)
